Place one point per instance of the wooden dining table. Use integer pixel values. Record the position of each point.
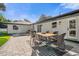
(46, 36)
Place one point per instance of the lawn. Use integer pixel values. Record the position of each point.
(4, 38)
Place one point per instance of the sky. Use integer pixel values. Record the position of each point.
(32, 11)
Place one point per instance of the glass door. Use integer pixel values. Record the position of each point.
(39, 27)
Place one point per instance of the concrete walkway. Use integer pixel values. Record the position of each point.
(74, 51)
(17, 46)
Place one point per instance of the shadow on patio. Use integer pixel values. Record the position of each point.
(49, 51)
(19, 34)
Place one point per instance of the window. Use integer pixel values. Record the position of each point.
(72, 33)
(3, 26)
(56, 32)
(15, 27)
(59, 22)
(54, 24)
(72, 24)
(39, 27)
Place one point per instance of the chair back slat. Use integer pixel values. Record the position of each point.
(60, 41)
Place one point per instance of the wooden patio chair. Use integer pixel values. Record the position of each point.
(58, 40)
(54, 38)
(35, 41)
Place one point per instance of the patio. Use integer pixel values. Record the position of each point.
(16, 46)
(50, 48)
(20, 46)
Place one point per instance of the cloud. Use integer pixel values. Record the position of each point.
(65, 7)
(13, 12)
(70, 5)
(12, 15)
(9, 14)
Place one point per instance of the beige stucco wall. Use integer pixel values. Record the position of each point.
(47, 26)
(63, 27)
(77, 20)
(22, 28)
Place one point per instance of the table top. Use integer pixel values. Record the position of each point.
(46, 34)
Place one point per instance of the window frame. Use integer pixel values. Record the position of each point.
(54, 24)
(39, 28)
(55, 32)
(15, 27)
(3, 26)
(72, 24)
(72, 34)
(59, 22)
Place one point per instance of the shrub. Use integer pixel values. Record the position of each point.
(3, 33)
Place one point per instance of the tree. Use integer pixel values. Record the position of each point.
(2, 19)
(2, 7)
(7, 20)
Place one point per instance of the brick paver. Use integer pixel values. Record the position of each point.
(20, 46)
(17, 46)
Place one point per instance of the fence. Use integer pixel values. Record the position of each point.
(3, 30)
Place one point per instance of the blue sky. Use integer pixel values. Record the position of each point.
(32, 11)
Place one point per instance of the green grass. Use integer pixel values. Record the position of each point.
(4, 38)
(4, 33)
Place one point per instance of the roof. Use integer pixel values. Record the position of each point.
(58, 16)
(19, 23)
(43, 17)
(22, 20)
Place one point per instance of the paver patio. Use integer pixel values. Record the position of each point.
(20, 46)
(17, 46)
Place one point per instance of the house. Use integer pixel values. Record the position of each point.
(65, 23)
(16, 27)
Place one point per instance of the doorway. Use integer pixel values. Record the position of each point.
(39, 28)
